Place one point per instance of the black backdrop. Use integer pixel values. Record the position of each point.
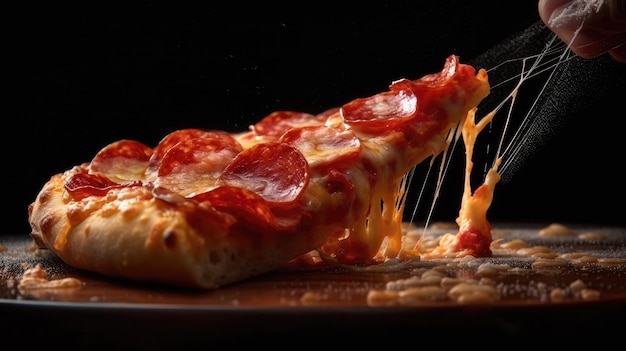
(87, 76)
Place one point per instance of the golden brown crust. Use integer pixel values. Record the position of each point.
(130, 234)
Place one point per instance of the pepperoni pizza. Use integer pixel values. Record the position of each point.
(206, 208)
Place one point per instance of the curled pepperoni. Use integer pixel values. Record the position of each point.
(122, 160)
(408, 99)
(441, 78)
(449, 83)
(82, 185)
(322, 145)
(277, 172)
(277, 123)
(177, 136)
(381, 111)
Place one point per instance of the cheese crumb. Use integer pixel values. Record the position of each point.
(37, 278)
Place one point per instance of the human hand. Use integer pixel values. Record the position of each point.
(603, 30)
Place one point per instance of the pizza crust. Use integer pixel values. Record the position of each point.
(145, 239)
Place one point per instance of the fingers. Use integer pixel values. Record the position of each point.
(590, 27)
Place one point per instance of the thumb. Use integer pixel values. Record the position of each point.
(590, 27)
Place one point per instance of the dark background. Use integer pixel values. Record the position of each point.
(87, 76)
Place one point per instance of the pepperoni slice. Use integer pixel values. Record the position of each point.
(82, 185)
(441, 78)
(277, 172)
(277, 123)
(241, 203)
(431, 88)
(122, 160)
(177, 136)
(198, 155)
(381, 111)
(322, 145)
(408, 99)
(193, 166)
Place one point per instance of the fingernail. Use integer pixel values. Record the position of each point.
(573, 12)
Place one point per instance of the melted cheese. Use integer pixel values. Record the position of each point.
(380, 230)
(474, 207)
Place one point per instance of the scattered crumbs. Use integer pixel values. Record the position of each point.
(532, 250)
(473, 293)
(515, 244)
(557, 295)
(556, 229)
(577, 285)
(548, 264)
(546, 255)
(591, 236)
(37, 278)
(590, 294)
(611, 261)
(310, 297)
(382, 297)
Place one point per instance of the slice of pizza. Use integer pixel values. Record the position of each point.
(205, 208)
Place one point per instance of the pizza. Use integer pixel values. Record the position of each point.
(206, 208)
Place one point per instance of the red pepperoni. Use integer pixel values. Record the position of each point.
(277, 172)
(408, 99)
(241, 203)
(279, 122)
(82, 185)
(430, 88)
(323, 145)
(381, 111)
(123, 154)
(202, 155)
(472, 239)
(441, 78)
(186, 134)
